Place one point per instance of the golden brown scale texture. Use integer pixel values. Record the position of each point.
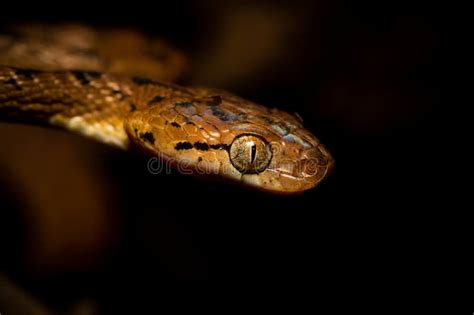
(205, 131)
(77, 101)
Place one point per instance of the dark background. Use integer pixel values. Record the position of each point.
(363, 75)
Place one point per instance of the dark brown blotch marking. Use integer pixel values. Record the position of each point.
(93, 74)
(148, 137)
(155, 100)
(215, 100)
(184, 104)
(142, 81)
(83, 76)
(201, 146)
(183, 146)
(14, 83)
(133, 107)
(199, 159)
(175, 124)
(219, 147)
(27, 73)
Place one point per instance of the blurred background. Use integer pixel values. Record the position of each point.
(87, 229)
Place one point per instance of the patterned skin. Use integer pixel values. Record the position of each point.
(197, 130)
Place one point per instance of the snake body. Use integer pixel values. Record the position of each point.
(200, 130)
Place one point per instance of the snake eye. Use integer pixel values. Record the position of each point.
(250, 154)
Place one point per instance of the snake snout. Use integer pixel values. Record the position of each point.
(316, 164)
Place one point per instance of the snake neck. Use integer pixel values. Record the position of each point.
(87, 103)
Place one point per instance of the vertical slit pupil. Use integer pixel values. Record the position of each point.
(254, 153)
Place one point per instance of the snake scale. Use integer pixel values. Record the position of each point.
(109, 85)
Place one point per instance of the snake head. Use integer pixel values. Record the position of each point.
(273, 151)
(217, 134)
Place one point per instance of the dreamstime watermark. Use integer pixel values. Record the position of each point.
(160, 165)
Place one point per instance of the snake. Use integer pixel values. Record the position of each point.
(118, 86)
